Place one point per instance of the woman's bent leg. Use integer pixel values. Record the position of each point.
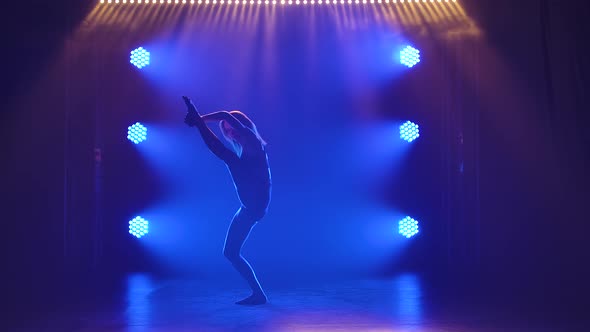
(237, 234)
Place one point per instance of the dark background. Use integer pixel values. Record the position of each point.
(515, 220)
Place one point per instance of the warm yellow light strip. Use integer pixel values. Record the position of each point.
(266, 2)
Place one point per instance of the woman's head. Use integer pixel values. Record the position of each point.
(233, 135)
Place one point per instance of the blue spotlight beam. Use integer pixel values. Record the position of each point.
(137, 133)
(138, 227)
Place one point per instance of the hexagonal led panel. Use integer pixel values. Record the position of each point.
(408, 227)
(137, 133)
(138, 227)
(409, 131)
(409, 56)
(140, 57)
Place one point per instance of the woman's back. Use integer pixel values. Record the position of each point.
(252, 179)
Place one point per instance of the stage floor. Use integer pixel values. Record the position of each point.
(402, 303)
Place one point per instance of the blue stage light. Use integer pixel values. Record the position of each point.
(137, 133)
(408, 227)
(138, 227)
(140, 57)
(409, 131)
(409, 56)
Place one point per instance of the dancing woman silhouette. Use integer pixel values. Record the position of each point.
(248, 166)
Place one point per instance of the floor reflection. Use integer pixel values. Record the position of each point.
(407, 293)
(403, 303)
(139, 309)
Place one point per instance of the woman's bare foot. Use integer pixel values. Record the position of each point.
(254, 299)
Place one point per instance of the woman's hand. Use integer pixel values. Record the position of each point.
(192, 116)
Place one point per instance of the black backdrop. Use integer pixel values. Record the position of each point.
(518, 211)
